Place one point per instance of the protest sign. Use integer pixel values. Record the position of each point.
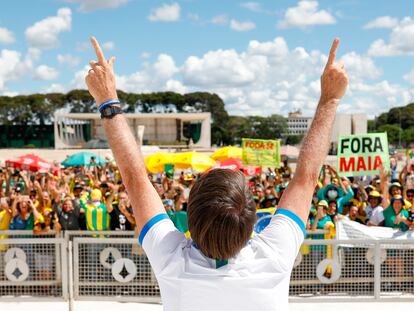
(261, 152)
(362, 155)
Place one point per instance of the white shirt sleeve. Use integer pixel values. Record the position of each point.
(285, 235)
(159, 239)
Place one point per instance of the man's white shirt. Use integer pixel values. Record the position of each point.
(374, 215)
(256, 279)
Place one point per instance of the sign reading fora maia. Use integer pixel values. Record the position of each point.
(361, 155)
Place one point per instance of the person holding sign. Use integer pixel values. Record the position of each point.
(222, 267)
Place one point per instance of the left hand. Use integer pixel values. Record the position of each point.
(101, 78)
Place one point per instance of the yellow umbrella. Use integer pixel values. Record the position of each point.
(226, 153)
(155, 163)
(197, 161)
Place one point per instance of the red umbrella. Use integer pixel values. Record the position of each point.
(31, 162)
(236, 164)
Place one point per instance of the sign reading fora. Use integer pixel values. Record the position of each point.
(261, 152)
(361, 155)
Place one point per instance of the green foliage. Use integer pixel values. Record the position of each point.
(293, 139)
(237, 127)
(396, 120)
(393, 131)
(225, 130)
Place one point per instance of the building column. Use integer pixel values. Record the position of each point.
(205, 137)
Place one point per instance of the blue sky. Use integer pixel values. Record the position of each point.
(261, 57)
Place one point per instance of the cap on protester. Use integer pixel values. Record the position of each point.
(395, 184)
(96, 195)
(369, 188)
(188, 177)
(322, 203)
(397, 198)
(374, 194)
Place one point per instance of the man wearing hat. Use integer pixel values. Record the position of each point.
(374, 209)
(96, 214)
(395, 189)
(321, 218)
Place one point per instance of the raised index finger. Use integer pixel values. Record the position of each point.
(98, 51)
(332, 52)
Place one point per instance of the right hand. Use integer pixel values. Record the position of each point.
(334, 80)
(101, 78)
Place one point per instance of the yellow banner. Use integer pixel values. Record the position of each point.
(261, 152)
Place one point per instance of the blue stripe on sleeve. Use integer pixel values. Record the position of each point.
(294, 217)
(150, 224)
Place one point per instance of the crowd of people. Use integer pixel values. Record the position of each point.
(94, 198)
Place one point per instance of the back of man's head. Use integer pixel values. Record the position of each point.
(221, 213)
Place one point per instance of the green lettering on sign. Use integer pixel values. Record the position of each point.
(261, 152)
(362, 155)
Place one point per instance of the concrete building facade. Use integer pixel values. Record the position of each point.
(148, 128)
(345, 124)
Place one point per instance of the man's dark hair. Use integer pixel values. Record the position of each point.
(221, 213)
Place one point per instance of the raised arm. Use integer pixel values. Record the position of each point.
(101, 84)
(298, 195)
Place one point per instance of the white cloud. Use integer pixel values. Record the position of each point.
(252, 6)
(360, 67)
(217, 68)
(83, 46)
(382, 22)
(44, 34)
(6, 36)
(68, 59)
(55, 88)
(44, 72)
(400, 42)
(109, 45)
(194, 17)
(266, 77)
(145, 54)
(9, 67)
(166, 13)
(176, 86)
(220, 20)
(242, 26)
(410, 76)
(93, 5)
(152, 77)
(306, 14)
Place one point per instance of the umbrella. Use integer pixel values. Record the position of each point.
(226, 153)
(155, 163)
(236, 164)
(83, 158)
(31, 162)
(196, 161)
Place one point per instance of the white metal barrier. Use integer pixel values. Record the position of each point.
(110, 265)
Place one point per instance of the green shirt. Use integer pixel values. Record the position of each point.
(96, 215)
(389, 218)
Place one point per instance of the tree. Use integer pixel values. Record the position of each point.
(293, 139)
(393, 132)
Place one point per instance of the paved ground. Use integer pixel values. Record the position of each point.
(110, 306)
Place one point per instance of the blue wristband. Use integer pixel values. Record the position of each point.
(108, 103)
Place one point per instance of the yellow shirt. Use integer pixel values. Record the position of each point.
(5, 219)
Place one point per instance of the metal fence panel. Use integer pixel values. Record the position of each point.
(112, 269)
(110, 265)
(32, 268)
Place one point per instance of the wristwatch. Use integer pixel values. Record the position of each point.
(110, 111)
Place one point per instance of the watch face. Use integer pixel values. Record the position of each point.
(107, 112)
(111, 111)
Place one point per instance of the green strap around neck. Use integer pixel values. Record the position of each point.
(221, 262)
